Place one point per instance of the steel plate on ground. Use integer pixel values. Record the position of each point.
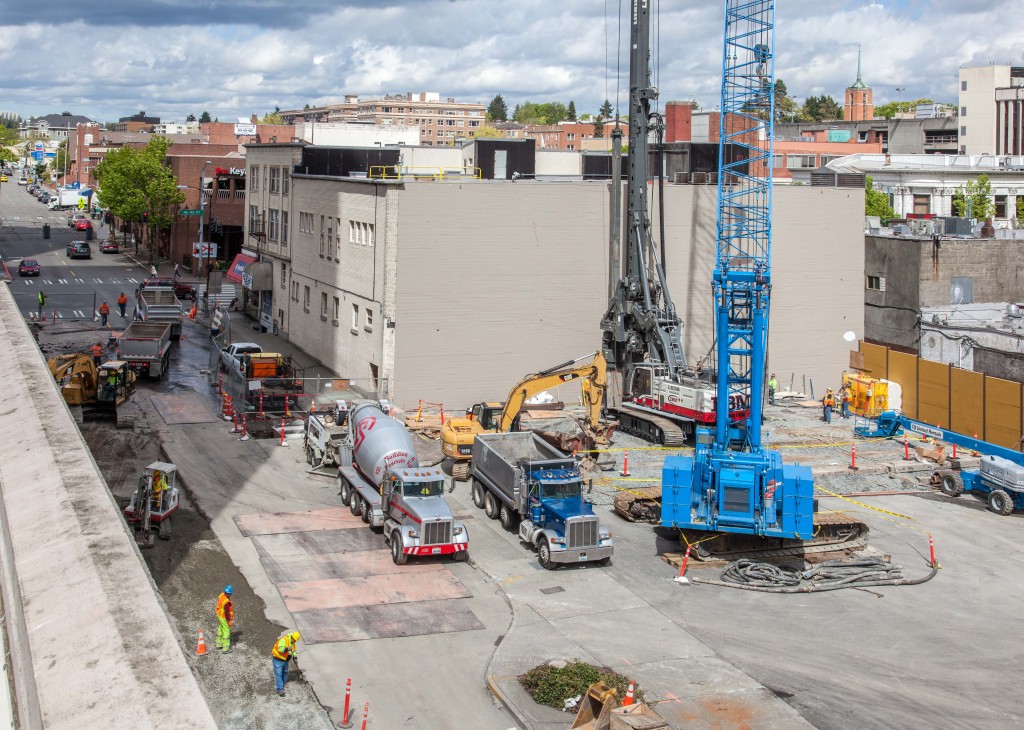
(371, 590)
(385, 621)
(317, 520)
(183, 408)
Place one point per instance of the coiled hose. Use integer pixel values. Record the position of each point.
(830, 575)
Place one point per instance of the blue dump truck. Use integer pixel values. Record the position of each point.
(521, 480)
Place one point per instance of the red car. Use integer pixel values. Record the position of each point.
(109, 247)
(28, 267)
(83, 224)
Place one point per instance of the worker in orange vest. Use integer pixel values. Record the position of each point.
(281, 654)
(97, 354)
(225, 617)
(104, 313)
(122, 302)
(828, 403)
(845, 397)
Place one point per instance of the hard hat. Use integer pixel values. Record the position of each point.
(296, 635)
(229, 590)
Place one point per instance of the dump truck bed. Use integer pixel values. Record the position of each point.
(500, 460)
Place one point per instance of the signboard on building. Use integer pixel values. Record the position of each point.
(206, 250)
(245, 130)
(838, 135)
(38, 147)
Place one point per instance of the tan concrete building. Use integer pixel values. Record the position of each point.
(450, 292)
(992, 110)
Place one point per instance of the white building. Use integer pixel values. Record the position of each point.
(165, 128)
(992, 110)
(986, 338)
(357, 134)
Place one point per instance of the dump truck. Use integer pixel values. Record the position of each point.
(146, 347)
(325, 434)
(159, 304)
(380, 480)
(519, 478)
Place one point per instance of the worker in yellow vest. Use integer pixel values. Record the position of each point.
(225, 617)
(281, 654)
(828, 403)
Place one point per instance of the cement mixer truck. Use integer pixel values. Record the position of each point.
(380, 480)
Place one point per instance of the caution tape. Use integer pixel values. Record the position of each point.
(881, 511)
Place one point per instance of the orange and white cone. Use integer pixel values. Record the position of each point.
(628, 699)
(201, 646)
(625, 464)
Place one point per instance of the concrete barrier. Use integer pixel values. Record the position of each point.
(91, 643)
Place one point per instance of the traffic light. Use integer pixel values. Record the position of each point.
(145, 218)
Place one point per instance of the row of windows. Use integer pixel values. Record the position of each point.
(306, 223)
(279, 182)
(360, 315)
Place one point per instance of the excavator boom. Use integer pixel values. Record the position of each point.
(595, 376)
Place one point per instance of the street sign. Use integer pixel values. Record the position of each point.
(38, 147)
(81, 203)
(37, 155)
(187, 211)
(208, 250)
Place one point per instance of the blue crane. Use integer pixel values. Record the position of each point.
(733, 483)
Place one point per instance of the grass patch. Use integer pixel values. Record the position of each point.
(552, 686)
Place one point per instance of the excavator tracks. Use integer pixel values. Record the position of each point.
(460, 470)
(650, 427)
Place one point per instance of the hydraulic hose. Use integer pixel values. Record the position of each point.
(830, 575)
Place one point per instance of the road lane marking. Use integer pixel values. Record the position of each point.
(79, 281)
(98, 281)
(62, 281)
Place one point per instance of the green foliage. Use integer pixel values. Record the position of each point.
(10, 121)
(876, 202)
(1020, 212)
(497, 111)
(975, 199)
(551, 686)
(599, 128)
(571, 111)
(605, 111)
(890, 110)
(585, 117)
(60, 159)
(486, 131)
(204, 117)
(190, 118)
(551, 112)
(272, 118)
(822, 109)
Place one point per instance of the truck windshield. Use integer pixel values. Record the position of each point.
(423, 489)
(561, 490)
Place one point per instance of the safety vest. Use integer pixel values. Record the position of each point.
(773, 384)
(97, 351)
(283, 648)
(104, 309)
(224, 608)
(122, 299)
(846, 396)
(42, 298)
(828, 399)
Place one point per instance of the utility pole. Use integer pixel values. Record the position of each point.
(202, 214)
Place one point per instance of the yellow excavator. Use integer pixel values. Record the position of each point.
(88, 388)
(457, 434)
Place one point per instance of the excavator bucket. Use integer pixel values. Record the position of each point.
(596, 708)
(145, 539)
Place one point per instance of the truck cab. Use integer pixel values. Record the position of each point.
(559, 513)
(231, 356)
(418, 520)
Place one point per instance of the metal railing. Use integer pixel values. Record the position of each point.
(434, 174)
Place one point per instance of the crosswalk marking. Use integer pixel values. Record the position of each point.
(133, 281)
(28, 282)
(47, 282)
(79, 313)
(98, 281)
(80, 281)
(62, 281)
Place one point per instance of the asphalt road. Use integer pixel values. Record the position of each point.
(74, 289)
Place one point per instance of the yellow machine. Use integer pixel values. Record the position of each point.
(870, 396)
(88, 387)
(457, 434)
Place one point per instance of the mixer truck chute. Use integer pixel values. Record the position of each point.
(381, 480)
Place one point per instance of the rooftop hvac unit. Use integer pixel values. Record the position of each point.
(1013, 310)
(681, 178)
(901, 229)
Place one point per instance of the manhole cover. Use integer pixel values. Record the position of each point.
(549, 591)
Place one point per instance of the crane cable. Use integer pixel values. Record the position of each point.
(830, 575)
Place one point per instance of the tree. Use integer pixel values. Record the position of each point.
(497, 111)
(876, 202)
(272, 118)
(571, 111)
(60, 159)
(551, 112)
(585, 117)
(606, 110)
(599, 128)
(890, 110)
(1019, 220)
(190, 118)
(306, 106)
(975, 199)
(822, 109)
(204, 118)
(486, 131)
(785, 105)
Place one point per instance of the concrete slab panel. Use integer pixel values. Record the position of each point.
(661, 639)
(314, 520)
(587, 591)
(751, 710)
(298, 568)
(317, 543)
(371, 590)
(356, 623)
(183, 408)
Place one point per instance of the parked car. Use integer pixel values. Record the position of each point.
(44, 198)
(83, 224)
(75, 217)
(80, 250)
(28, 267)
(71, 245)
(23, 181)
(109, 247)
(182, 290)
(3, 178)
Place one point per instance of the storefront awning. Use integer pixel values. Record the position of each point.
(238, 266)
(258, 276)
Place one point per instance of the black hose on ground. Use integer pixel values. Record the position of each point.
(830, 575)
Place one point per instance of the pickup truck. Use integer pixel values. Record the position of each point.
(146, 347)
(231, 356)
(518, 477)
(158, 304)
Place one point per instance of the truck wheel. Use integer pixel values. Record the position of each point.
(605, 561)
(364, 510)
(1000, 502)
(346, 493)
(397, 555)
(952, 484)
(309, 456)
(461, 556)
(506, 517)
(491, 506)
(353, 506)
(478, 494)
(544, 555)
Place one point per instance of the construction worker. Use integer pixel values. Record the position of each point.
(104, 313)
(97, 354)
(225, 617)
(828, 403)
(281, 654)
(844, 400)
(122, 303)
(111, 385)
(773, 384)
(42, 302)
(159, 487)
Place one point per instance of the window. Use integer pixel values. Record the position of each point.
(963, 132)
(368, 325)
(275, 179)
(796, 162)
(284, 274)
(254, 218)
(1000, 206)
(360, 233)
(305, 222)
(963, 111)
(875, 283)
(305, 298)
(321, 236)
(295, 291)
(286, 181)
(778, 161)
(284, 227)
(275, 219)
(355, 317)
(323, 306)
(255, 170)
(330, 238)
(963, 86)
(922, 204)
(337, 311)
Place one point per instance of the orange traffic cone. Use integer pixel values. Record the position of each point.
(628, 699)
(625, 464)
(201, 646)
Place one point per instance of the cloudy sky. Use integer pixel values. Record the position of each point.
(236, 57)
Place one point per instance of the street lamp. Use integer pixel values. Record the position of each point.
(202, 214)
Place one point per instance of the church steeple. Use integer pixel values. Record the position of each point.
(858, 84)
(859, 104)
